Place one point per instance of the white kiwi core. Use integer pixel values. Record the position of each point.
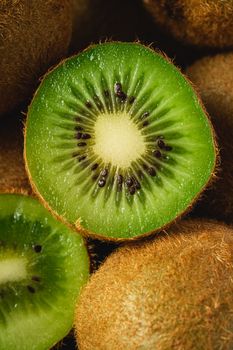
(13, 269)
(118, 140)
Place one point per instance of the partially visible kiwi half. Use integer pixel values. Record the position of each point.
(213, 77)
(198, 22)
(175, 292)
(117, 143)
(34, 35)
(43, 265)
(13, 177)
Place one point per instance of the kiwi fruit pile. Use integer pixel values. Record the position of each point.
(195, 22)
(123, 145)
(116, 175)
(175, 292)
(34, 35)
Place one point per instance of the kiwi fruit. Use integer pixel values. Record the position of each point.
(213, 77)
(204, 23)
(43, 265)
(13, 177)
(117, 143)
(174, 292)
(34, 35)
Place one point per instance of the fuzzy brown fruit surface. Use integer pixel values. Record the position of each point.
(13, 177)
(33, 35)
(203, 23)
(175, 292)
(213, 77)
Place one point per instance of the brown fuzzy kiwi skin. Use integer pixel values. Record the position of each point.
(205, 23)
(213, 78)
(175, 292)
(78, 224)
(13, 177)
(34, 35)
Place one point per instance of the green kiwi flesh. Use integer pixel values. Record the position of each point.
(204, 23)
(175, 292)
(117, 143)
(43, 265)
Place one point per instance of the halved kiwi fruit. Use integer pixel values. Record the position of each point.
(34, 35)
(43, 265)
(175, 292)
(117, 143)
(198, 22)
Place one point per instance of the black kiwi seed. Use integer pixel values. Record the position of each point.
(94, 166)
(37, 248)
(145, 115)
(36, 278)
(132, 190)
(137, 185)
(104, 172)
(86, 136)
(102, 182)
(131, 100)
(82, 144)
(157, 154)
(82, 158)
(88, 104)
(168, 148)
(129, 181)
(119, 179)
(122, 96)
(161, 144)
(79, 135)
(118, 88)
(31, 289)
(145, 123)
(151, 171)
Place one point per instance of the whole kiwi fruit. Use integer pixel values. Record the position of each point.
(175, 292)
(213, 78)
(197, 22)
(13, 177)
(33, 36)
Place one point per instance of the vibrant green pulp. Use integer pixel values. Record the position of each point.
(175, 113)
(38, 320)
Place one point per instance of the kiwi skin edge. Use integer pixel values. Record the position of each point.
(78, 225)
(165, 294)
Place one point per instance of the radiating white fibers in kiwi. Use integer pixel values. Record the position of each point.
(43, 265)
(175, 292)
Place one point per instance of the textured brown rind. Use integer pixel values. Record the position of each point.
(34, 35)
(175, 292)
(213, 78)
(13, 177)
(197, 22)
(78, 224)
